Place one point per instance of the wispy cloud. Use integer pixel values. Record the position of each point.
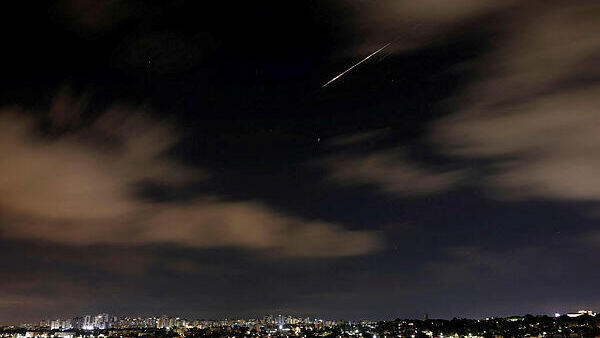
(91, 18)
(412, 24)
(389, 171)
(534, 111)
(79, 188)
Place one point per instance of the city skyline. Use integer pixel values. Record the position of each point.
(102, 321)
(580, 324)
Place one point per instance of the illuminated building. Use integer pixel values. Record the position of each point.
(87, 323)
(100, 321)
(77, 323)
(581, 313)
(55, 324)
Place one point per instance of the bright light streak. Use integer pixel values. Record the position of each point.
(356, 65)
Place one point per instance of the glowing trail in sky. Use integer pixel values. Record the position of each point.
(361, 61)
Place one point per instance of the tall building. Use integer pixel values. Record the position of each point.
(65, 324)
(77, 323)
(55, 324)
(87, 323)
(113, 322)
(172, 322)
(269, 320)
(100, 321)
(162, 322)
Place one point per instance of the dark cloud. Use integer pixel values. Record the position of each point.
(71, 191)
(389, 171)
(531, 109)
(356, 138)
(412, 24)
(534, 110)
(93, 18)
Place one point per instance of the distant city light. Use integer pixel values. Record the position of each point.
(111, 326)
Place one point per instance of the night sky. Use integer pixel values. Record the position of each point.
(182, 157)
